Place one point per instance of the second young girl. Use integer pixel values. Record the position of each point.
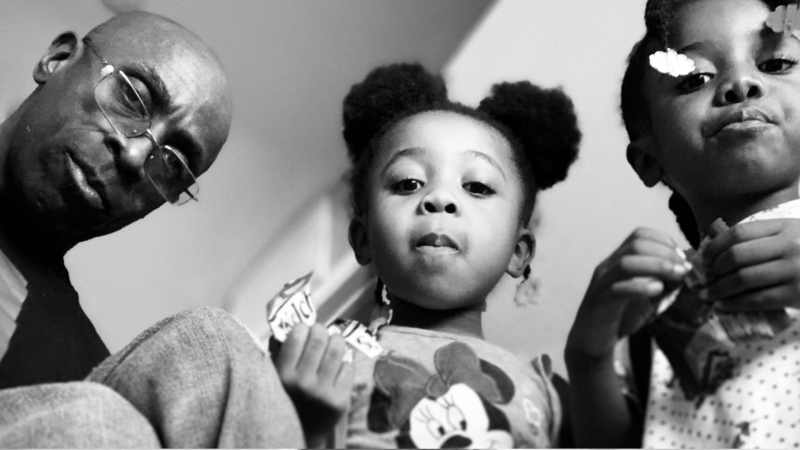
(442, 197)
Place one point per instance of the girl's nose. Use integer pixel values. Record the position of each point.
(439, 201)
(740, 87)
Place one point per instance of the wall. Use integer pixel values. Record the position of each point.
(581, 46)
(290, 62)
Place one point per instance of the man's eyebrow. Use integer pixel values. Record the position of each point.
(483, 156)
(410, 152)
(152, 79)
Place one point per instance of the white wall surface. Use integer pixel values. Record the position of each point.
(290, 63)
(581, 46)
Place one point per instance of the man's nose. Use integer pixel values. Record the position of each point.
(132, 152)
(439, 201)
(739, 87)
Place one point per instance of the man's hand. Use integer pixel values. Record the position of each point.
(623, 293)
(755, 266)
(313, 372)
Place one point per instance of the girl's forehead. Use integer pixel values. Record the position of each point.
(717, 21)
(445, 132)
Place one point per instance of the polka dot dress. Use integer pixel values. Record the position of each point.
(759, 407)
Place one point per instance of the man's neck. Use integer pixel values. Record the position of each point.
(733, 212)
(466, 321)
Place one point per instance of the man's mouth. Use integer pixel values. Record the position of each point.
(741, 120)
(437, 243)
(90, 193)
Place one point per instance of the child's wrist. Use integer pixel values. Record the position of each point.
(578, 359)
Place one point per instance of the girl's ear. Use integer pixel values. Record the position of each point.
(640, 154)
(523, 253)
(60, 52)
(359, 240)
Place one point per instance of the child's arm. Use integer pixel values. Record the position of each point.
(621, 297)
(311, 366)
(756, 266)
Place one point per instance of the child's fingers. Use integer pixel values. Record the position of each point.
(769, 299)
(638, 287)
(314, 350)
(753, 277)
(637, 242)
(748, 253)
(652, 248)
(332, 360)
(292, 348)
(345, 377)
(741, 233)
(630, 266)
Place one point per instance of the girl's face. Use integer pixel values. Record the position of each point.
(443, 218)
(731, 128)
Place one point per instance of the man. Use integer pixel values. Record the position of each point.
(121, 121)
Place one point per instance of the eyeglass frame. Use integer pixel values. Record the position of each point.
(110, 69)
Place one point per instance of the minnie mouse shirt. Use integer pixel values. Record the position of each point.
(432, 390)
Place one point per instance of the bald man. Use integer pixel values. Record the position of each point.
(121, 122)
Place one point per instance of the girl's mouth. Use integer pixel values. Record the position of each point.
(741, 120)
(435, 242)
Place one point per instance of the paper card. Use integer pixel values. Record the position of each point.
(358, 336)
(291, 306)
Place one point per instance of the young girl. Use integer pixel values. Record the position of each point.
(724, 135)
(442, 197)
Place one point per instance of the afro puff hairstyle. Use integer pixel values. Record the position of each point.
(659, 16)
(540, 124)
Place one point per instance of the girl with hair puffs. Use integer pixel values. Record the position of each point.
(442, 199)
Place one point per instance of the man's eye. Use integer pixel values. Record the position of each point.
(407, 186)
(129, 102)
(777, 65)
(478, 188)
(693, 82)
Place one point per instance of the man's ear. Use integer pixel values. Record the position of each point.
(640, 154)
(60, 52)
(524, 250)
(359, 240)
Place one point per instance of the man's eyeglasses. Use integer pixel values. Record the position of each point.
(123, 106)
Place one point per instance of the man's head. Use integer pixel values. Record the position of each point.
(66, 169)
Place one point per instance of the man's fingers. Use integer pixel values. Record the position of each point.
(753, 277)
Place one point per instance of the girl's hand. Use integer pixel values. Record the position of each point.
(623, 293)
(755, 266)
(313, 371)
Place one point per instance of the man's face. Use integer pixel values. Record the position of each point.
(68, 166)
(444, 205)
(731, 128)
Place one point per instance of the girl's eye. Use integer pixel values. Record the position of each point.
(777, 65)
(478, 188)
(407, 186)
(693, 82)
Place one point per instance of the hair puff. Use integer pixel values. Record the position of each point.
(542, 122)
(385, 95)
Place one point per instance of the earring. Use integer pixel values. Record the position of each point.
(385, 312)
(527, 290)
